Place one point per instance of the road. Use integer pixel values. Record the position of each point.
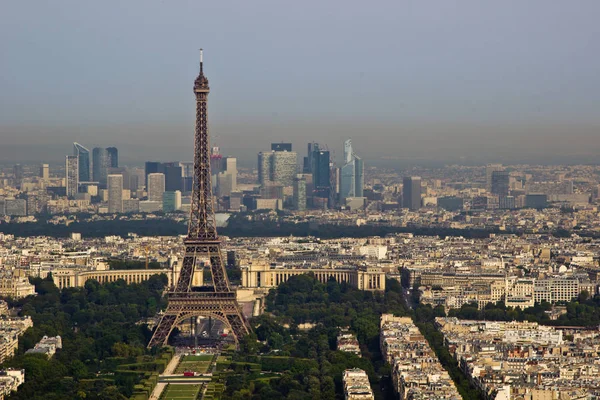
(160, 386)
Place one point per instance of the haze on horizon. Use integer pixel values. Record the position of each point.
(453, 81)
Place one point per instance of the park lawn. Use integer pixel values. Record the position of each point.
(181, 392)
(200, 363)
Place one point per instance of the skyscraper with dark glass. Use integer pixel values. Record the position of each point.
(83, 159)
(173, 176)
(411, 192)
(500, 183)
(113, 157)
(321, 172)
(100, 165)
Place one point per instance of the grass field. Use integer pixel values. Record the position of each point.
(197, 363)
(181, 392)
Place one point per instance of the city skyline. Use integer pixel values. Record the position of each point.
(429, 204)
(484, 83)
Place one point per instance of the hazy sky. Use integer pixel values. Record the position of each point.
(417, 80)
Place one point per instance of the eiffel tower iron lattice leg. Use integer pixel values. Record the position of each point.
(202, 244)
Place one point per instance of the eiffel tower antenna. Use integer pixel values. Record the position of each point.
(201, 244)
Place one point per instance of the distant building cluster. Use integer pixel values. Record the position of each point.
(522, 198)
(524, 360)
(416, 371)
(519, 271)
(356, 385)
(73, 261)
(318, 185)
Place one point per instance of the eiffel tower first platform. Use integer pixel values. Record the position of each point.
(201, 244)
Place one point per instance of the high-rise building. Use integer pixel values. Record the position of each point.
(115, 193)
(72, 175)
(411, 192)
(18, 174)
(187, 169)
(299, 193)
(171, 201)
(308, 160)
(285, 167)
(113, 157)
(100, 165)
(281, 147)
(352, 181)
(173, 176)
(224, 184)
(126, 177)
(321, 172)
(489, 169)
(156, 187)
(45, 171)
(277, 167)
(187, 181)
(230, 165)
(152, 167)
(500, 183)
(360, 177)
(264, 168)
(137, 178)
(83, 159)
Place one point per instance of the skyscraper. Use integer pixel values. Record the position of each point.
(264, 168)
(173, 176)
(489, 169)
(230, 164)
(277, 167)
(321, 172)
(115, 193)
(226, 182)
(100, 165)
(352, 181)
(45, 171)
(299, 193)
(187, 169)
(113, 157)
(411, 192)
(308, 160)
(360, 177)
(72, 175)
(500, 183)
(83, 159)
(152, 167)
(285, 167)
(156, 187)
(18, 174)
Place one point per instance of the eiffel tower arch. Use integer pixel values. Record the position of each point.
(201, 244)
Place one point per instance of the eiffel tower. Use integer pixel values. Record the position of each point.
(201, 244)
